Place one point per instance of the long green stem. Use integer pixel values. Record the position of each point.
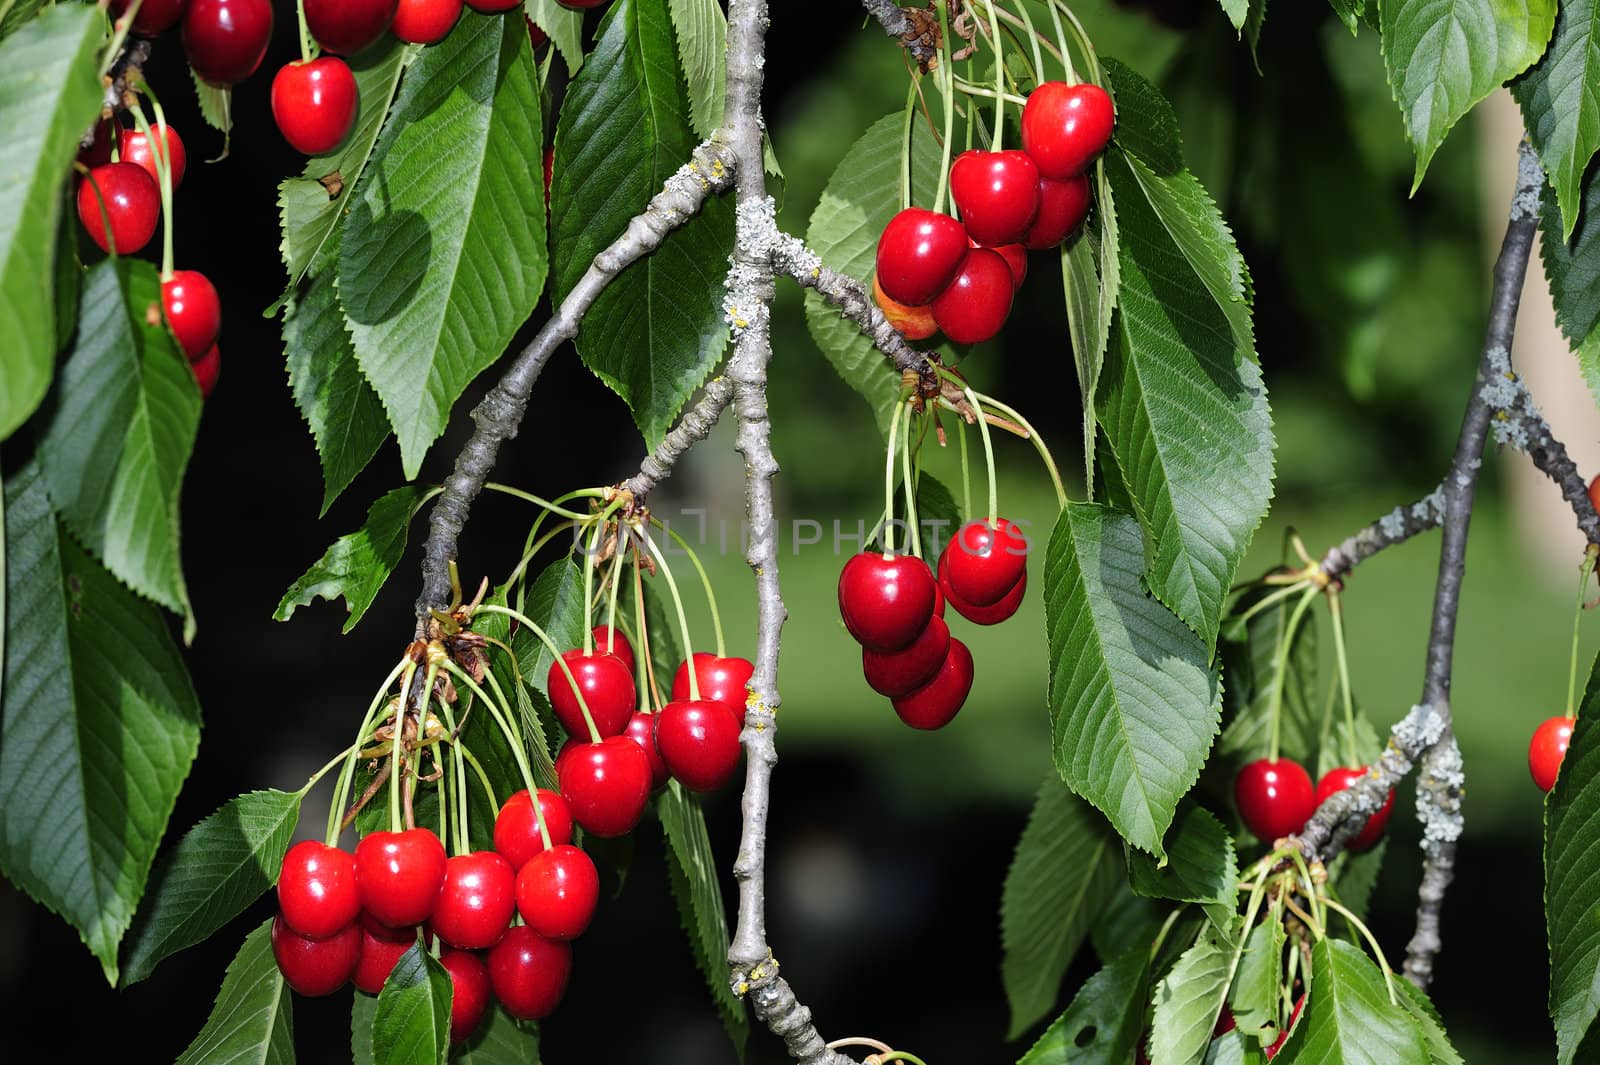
(1084, 43)
(397, 741)
(119, 32)
(1033, 39)
(888, 483)
(1036, 440)
(1336, 616)
(999, 79)
(948, 92)
(988, 454)
(488, 789)
(532, 549)
(545, 504)
(1281, 667)
(905, 144)
(307, 44)
(561, 663)
(1372, 941)
(683, 618)
(1271, 600)
(515, 731)
(611, 600)
(319, 774)
(342, 789)
(967, 88)
(444, 809)
(1061, 41)
(705, 583)
(458, 793)
(910, 486)
(158, 154)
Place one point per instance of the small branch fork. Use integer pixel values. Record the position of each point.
(1500, 403)
(915, 35)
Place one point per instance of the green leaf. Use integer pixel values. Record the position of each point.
(411, 1024)
(1572, 881)
(1133, 701)
(338, 403)
(100, 726)
(121, 432)
(563, 25)
(556, 604)
(1101, 1025)
(1349, 1019)
(702, 32)
(1190, 998)
(1443, 56)
(1349, 12)
(1249, 655)
(1064, 872)
(49, 94)
(698, 893)
(1090, 281)
(221, 866)
(1147, 126)
(1573, 272)
(216, 106)
(1200, 862)
(1235, 10)
(500, 1040)
(1186, 414)
(654, 335)
(443, 257)
(362, 1009)
(1560, 100)
(1254, 998)
(357, 564)
(308, 209)
(861, 196)
(1415, 1001)
(253, 1018)
(19, 14)
(1126, 921)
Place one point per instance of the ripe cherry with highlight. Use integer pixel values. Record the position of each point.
(885, 602)
(1548, 749)
(1274, 797)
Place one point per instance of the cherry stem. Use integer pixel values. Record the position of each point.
(347, 774)
(611, 601)
(644, 660)
(1085, 45)
(1268, 601)
(100, 199)
(1577, 622)
(545, 504)
(319, 774)
(1033, 39)
(906, 142)
(588, 575)
(947, 92)
(561, 663)
(1372, 941)
(397, 741)
(705, 582)
(307, 47)
(1012, 21)
(988, 453)
(901, 1055)
(444, 809)
(1038, 444)
(532, 550)
(888, 483)
(1281, 666)
(683, 618)
(910, 488)
(1336, 616)
(511, 718)
(495, 711)
(1061, 40)
(999, 79)
(119, 32)
(158, 153)
(457, 794)
(966, 470)
(968, 88)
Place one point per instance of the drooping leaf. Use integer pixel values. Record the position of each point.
(1090, 281)
(311, 205)
(221, 866)
(120, 434)
(357, 564)
(1349, 1019)
(1200, 862)
(1101, 1025)
(1443, 56)
(1572, 269)
(49, 94)
(18, 15)
(500, 1040)
(563, 25)
(654, 335)
(1147, 126)
(697, 889)
(253, 1019)
(1254, 998)
(1063, 874)
(1415, 1001)
(345, 415)
(1186, 413)
(443, 258)
(1349, 12)
(100, 725)
(1250, 667)
(1190, 998)
(1133, 700)
(216, 106)
(1560, 100)
(411, 1024)
(1235, 10)
(1572, 882)
(861, 196)
(702, 32)
(362, 1009)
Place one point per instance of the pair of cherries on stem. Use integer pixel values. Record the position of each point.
(119, 203)
(1275, 799)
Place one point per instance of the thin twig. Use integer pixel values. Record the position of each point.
(694, 426)
(899, 25)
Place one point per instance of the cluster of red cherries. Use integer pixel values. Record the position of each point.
(894, 607)
(935, 273)
(350, 918)
(1276, 799)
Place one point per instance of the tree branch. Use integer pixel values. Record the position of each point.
(754, 971)
(709, 170)
(1397, 526)
(125, 71)
(899, 25)
(694, 426)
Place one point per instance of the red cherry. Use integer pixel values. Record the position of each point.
(425, 21)
(381, 950)
(477, 900)
(607, 785)
(1336, 780)
(1548, 749)
(607, 687)
(903, 672)
(642, 730)
(699, 742)
(493, 7)
(1063, 205)
(1594, 493)
(226, 39)
(1016, 257)
(885, 602)
(1283, 1036)
(721, 680)
(536, 36)
(314, 103)
(1225, 1023)
(918, 254)
(317, 889)
(193, 311)
(1064, 127)
(154, 17)
(99, 151)
(400, 874)
(566, 751)
(549, 173)
(982, 615)
(135, 147)
(614, 642)
(207, 368)
(983, 561)
(1274, 797)
(316, 967)
(913, 323)
(997, 194)
(936, 702)
(469, 992)
(344, 27)
(976, 303)
(132, 204)
(529, 973)
(557, 893)
(516, 830)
